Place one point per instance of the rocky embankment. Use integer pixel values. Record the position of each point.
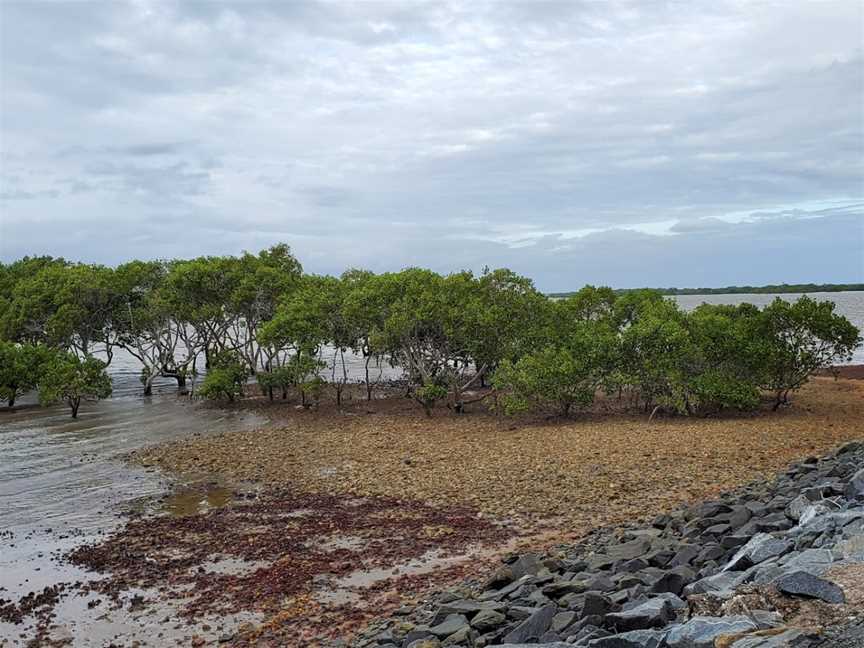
(771, 565)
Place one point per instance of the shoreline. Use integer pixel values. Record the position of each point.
(522, 487)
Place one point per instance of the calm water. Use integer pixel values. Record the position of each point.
(62, 483)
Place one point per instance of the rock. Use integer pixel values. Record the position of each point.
(675, 602)
(801, 583)
(533, 627)
(710, 552)
(717, 530)
(501, 577)
(739, 516)
(850, 447)
(622, 551)
(549, 637)
(632, 639)
(720, 585)
(766, 618)
(595, 603)
(526, 565)
(813, 561)
(734, 540)
(701, 631)
(559, 588)
(520, 612)
(562, 621)
(461, 636)
(418, 633)
(759, 549)
(685, 555)
(855, 487)
(812, 512)
(467, 607)
(487, 620)
(796, 507)
(557, 644)
(708, 510)
(786, 639)
(851, 548)
(774, 522)
(631, 566)
(424, 643)
(453, 623)
(654, 613)
(507, 590)
(601, 583)
(674, 580)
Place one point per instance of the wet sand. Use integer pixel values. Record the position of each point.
(63, 483)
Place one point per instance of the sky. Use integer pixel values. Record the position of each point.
(627, 144)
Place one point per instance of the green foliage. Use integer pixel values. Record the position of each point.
(67, 378)
(429, 394)
(799, 339)
(299, 371)
(70, 306)
(21, 367)
(225, 377)
(311, 390)
(551, 377)
(258, 314)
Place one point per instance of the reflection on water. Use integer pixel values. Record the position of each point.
(63, 483)
(191, 501)
(55, 470)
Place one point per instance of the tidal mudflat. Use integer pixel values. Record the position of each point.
(65, 483)
(302, 530)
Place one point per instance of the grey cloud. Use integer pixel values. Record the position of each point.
(17, 194)
(453, 134)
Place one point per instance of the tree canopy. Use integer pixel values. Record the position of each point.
(452, 336)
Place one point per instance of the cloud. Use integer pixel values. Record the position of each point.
(449, 134)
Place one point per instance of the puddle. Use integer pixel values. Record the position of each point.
(191, 501)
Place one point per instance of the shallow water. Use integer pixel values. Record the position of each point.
(63, 483)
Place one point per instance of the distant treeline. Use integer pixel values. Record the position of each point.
(743, 290)
(458, 338)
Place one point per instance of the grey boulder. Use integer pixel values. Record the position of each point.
(701, 631)
(487, 619)
(534, 626)
(452, 624)
(653, 613)
(855, 487)
(760, 548)
(801, 583)
(787, 639)
(633, 639)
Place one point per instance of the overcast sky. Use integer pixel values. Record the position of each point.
(653, 143)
